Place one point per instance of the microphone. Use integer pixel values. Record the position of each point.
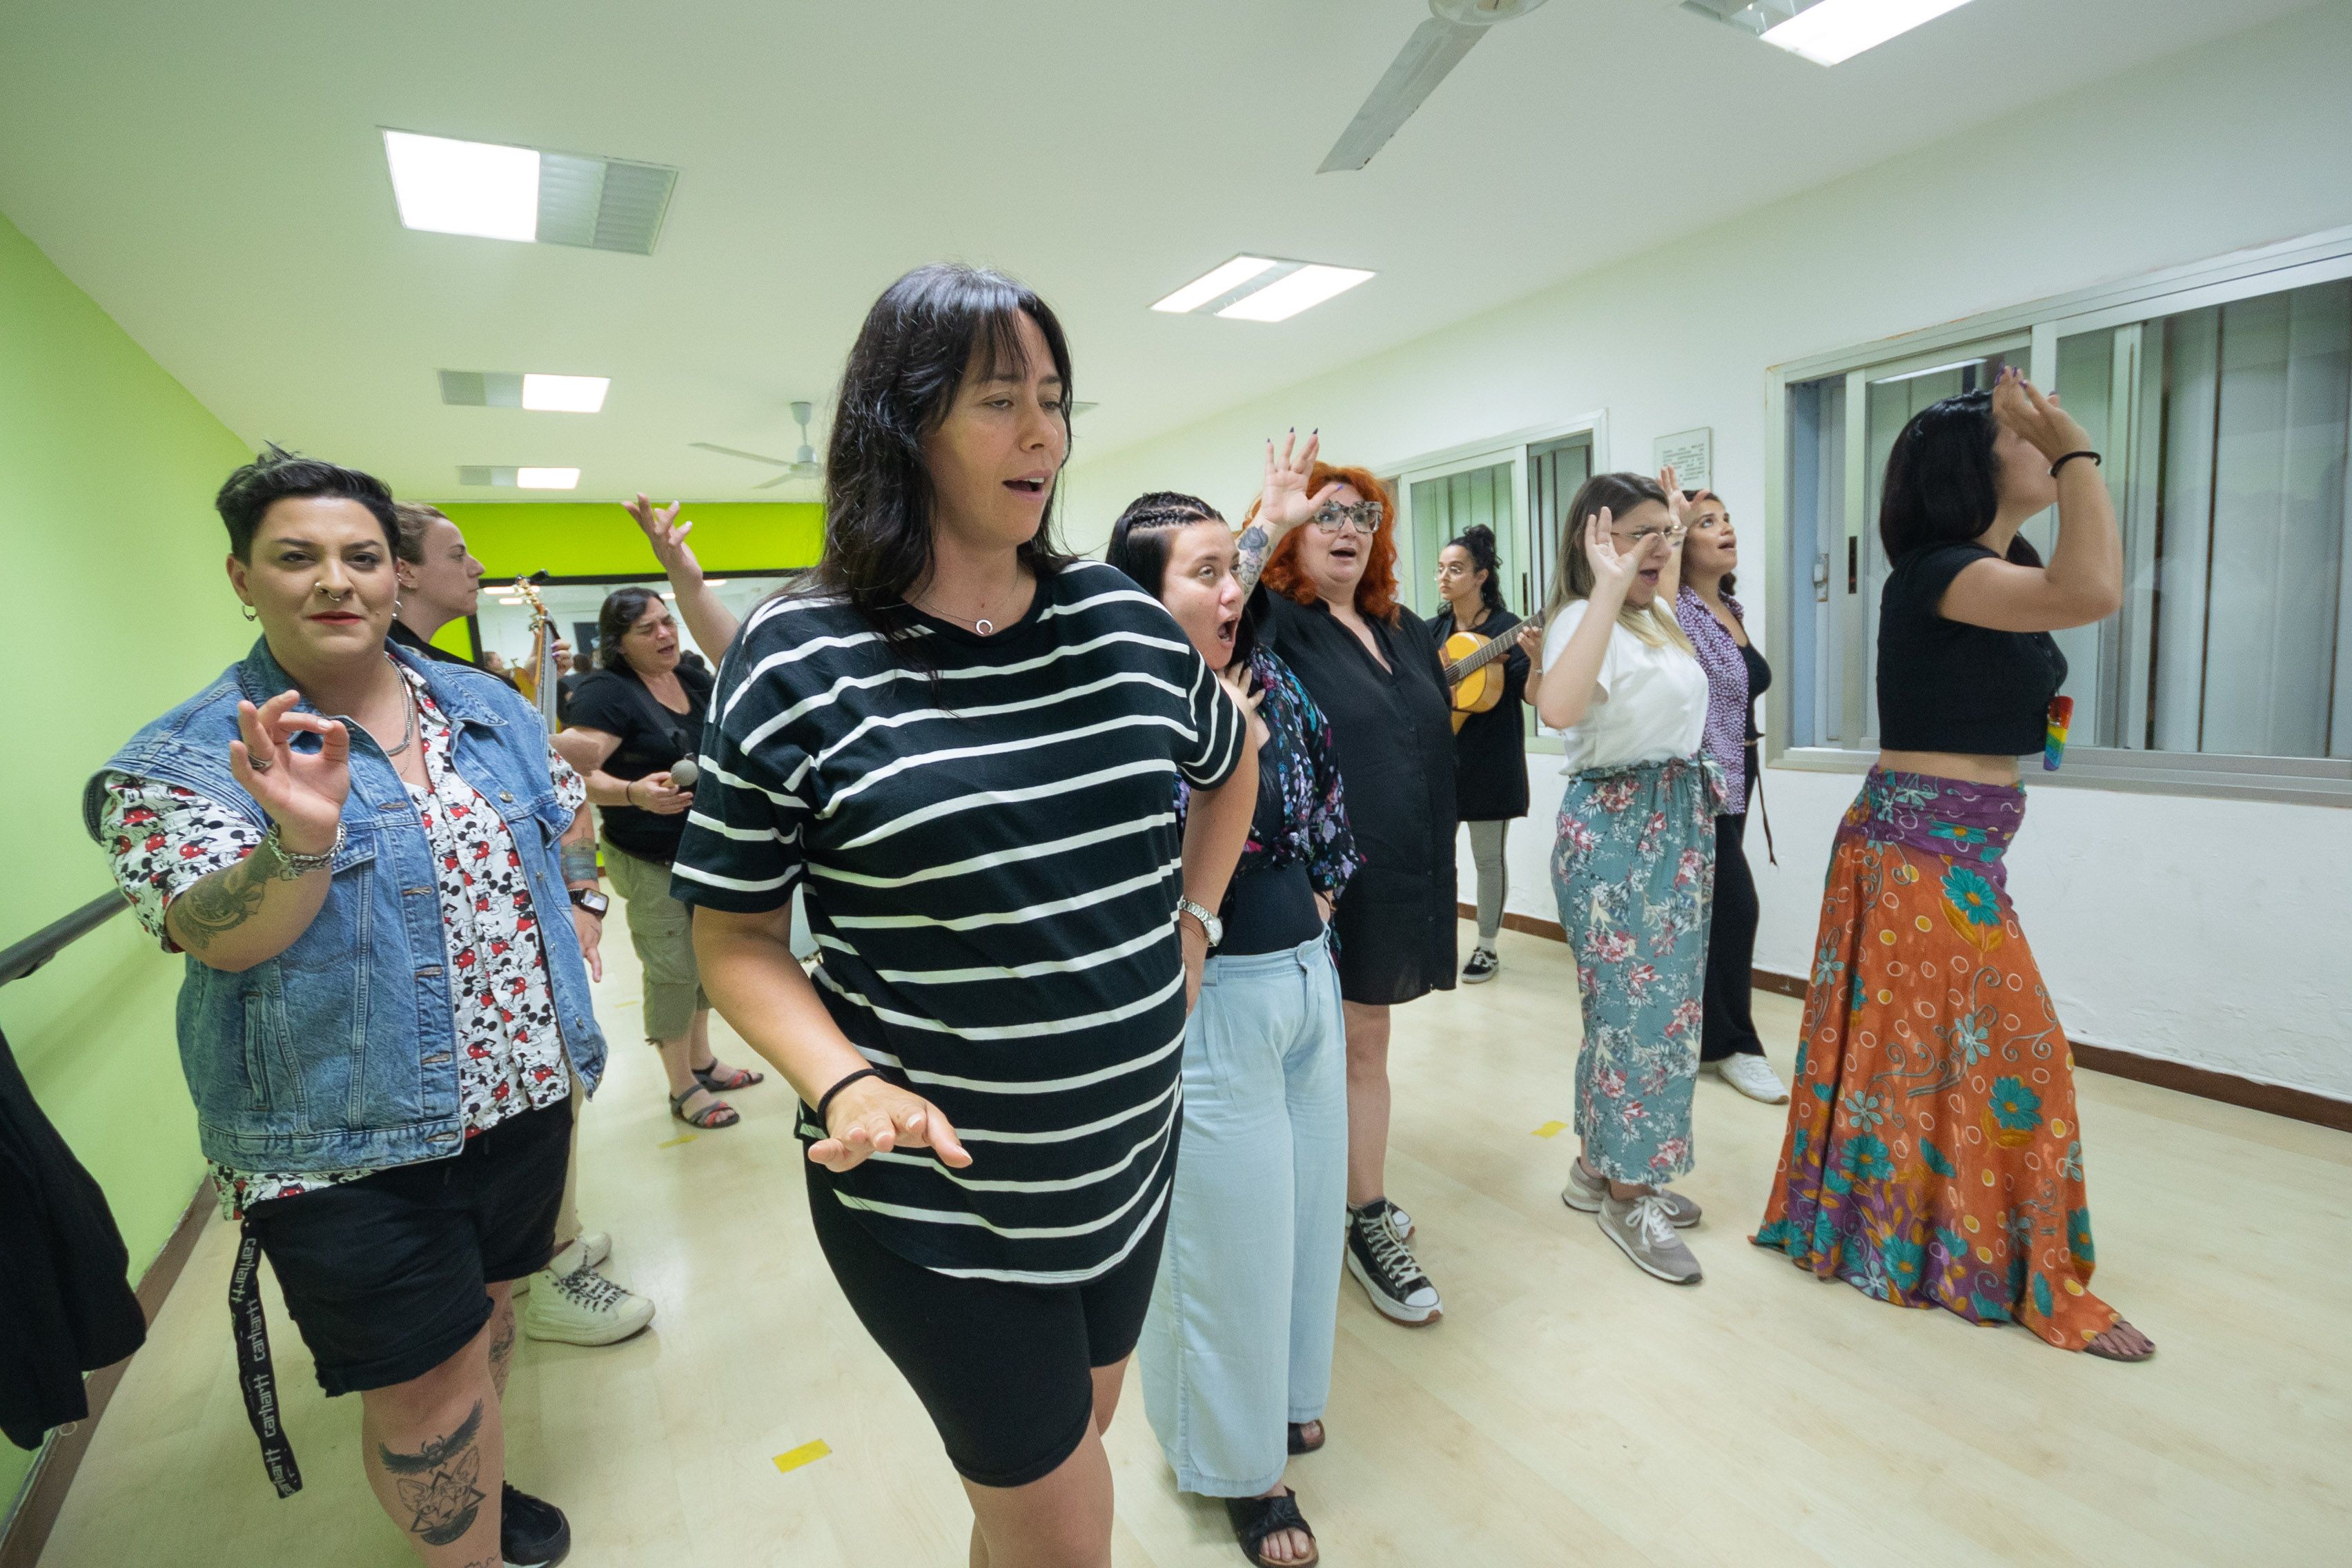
(683, 772)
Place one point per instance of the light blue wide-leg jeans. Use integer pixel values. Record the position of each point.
(1238, 1340)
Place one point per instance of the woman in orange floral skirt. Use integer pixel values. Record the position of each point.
(1933, 1156)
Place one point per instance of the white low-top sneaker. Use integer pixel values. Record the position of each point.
(583, 1308)
(1752, 1076)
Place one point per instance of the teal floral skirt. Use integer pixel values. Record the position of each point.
(1633, 870)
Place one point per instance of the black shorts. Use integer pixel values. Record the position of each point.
(1004, 1370)
(384, 1275)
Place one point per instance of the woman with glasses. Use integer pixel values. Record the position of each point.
(1736, 676)
(1635, 857)
(1323, 538)
(632, 722)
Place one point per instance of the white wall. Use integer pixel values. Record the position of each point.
(2211, 931)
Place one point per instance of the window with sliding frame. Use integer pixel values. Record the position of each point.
(2221, 397)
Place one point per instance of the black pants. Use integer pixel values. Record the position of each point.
(1730, 1027)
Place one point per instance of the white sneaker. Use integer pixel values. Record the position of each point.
(588, 1249)
(1752, 1076)
(583, 1308)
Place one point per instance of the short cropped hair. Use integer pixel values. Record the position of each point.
(276, 474)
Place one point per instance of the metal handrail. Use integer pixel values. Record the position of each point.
(46, 944)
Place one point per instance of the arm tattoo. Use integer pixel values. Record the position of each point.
(435, 1483)
(1254, 547)
(579, 862)
(226, 900)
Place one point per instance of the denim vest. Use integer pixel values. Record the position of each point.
(342, 1052)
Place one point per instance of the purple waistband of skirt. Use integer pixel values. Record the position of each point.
(1968, 822)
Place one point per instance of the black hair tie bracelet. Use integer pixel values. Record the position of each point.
(825, 1101)
(2070, 457)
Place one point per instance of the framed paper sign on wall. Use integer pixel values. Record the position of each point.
(1691, 454)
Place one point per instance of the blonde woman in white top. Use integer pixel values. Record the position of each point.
(1634, 864)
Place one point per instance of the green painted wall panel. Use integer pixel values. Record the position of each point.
(121, 609)
(599, 539)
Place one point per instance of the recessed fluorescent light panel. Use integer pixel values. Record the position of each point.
(519, 478)
(510, 389)
(1261, 289)
(1826, 32)
(496, 192)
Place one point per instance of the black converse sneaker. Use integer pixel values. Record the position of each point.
(1384, 1266)
(533, 1532)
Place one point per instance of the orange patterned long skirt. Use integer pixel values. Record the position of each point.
(1933, 1157)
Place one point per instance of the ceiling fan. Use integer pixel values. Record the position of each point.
(802, 465)
(1435, 48)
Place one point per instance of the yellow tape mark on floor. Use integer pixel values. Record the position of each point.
(1552, 1130)
(674, 1142)
(806, 1454)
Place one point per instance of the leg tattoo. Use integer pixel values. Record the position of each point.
(436, 1482)
(502, 1345)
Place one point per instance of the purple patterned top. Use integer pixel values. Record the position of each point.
(1972, 823)
(1728, 700)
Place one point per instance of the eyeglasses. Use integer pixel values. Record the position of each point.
(1364, 514)
(1639, 537)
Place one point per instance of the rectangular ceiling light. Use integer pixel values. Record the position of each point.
(496, 192)
(547, 478)
(1261, 289)
(564, 393)
(464, 187)
(1215, 285)
(1826, 32)
(1293, 293)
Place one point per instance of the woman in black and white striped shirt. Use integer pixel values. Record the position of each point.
(963, 745)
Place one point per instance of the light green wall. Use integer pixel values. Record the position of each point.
(119, 608)
(585, 539)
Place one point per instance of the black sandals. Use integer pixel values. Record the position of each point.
(1298, 1443)
(1255, 1518)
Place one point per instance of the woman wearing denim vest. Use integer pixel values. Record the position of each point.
(385, 1015)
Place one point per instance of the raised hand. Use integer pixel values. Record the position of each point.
(668, 536)
(2020, 404)
(1677, 509)
(1285, 502)
(874, 1116)
(303, 793)
(1613, 571)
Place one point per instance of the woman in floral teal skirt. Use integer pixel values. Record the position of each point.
(1634, 864)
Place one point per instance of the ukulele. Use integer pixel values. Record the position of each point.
(1475, 688)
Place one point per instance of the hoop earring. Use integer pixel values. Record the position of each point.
(251, 614)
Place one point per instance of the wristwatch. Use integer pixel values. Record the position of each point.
(1210, 923)
(589, 899)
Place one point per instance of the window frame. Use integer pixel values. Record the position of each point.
(2322, 257)
(1512, 446)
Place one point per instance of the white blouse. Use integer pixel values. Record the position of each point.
(1650, 705)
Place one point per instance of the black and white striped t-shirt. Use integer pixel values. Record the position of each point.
(991, 872)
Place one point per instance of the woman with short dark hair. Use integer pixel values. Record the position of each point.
(1237, 1349)
(634, 719)
(385, 1008)
(965, 744)
(1934, 1156)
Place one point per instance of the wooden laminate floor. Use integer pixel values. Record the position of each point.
(1568, 1410)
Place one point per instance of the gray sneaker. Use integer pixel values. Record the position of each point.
(1585, 1194)
(1643, 1232)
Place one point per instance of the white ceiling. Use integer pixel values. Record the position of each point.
(213, 176)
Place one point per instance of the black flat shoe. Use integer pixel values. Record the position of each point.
(1255, 1518)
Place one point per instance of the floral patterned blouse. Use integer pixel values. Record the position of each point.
(1306, 771)
(1730, 705)
(161, 839)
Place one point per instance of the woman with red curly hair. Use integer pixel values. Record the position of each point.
(1327, 605)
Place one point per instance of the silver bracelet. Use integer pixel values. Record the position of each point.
(291, 866)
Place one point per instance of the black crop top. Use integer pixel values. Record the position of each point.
(1947, 686)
